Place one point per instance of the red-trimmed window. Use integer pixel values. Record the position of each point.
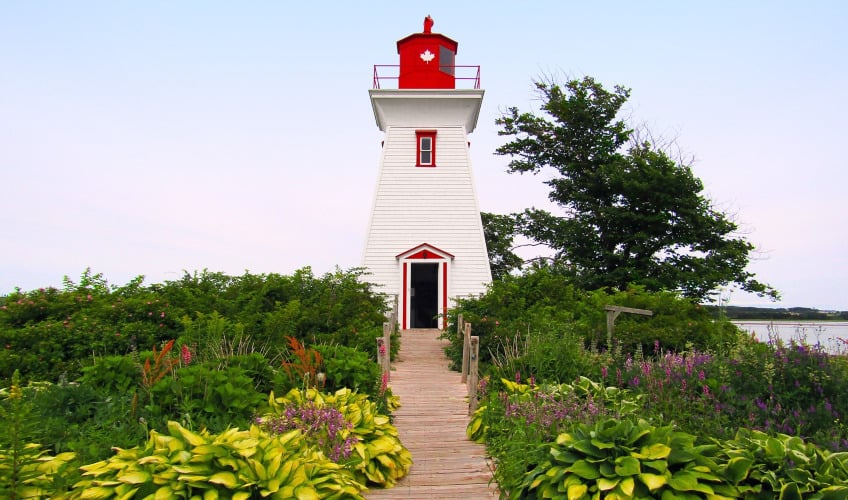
(425, 151)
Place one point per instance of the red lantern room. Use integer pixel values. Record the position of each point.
(427, 60)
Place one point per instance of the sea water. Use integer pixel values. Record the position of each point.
(832, 336)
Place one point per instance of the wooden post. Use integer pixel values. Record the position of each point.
(459, 327)
(386, 359)
(381, 354)
(613, 312)
(466, 346)
(395, 313)
(473, 374)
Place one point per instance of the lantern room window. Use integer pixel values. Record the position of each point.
(426, 148)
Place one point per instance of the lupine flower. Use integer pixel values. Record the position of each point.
(185, 354)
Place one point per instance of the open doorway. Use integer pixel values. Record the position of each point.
(424, 295)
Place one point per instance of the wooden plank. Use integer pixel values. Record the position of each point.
(431, 422)
(631, 310)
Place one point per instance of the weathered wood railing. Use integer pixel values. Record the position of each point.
(470, 361)
(384, 343)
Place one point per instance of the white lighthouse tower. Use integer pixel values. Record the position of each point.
(425, 240)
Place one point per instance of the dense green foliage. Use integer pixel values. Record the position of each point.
(237, 464)
(686, 369)
(634, 459)
(631, 214)
(52, 334)
(544, 308)
(219, 345)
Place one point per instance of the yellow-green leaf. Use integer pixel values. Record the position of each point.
(606, 484)
(655, 451)
(225, 479)
(306, 492)
(652, 481)
(97, 493)
(627, 485)
(576, 491)
(164, 493)
(135, 477)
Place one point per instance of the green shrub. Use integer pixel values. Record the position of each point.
(233, 464)
(541, 307)
(518, 420)
(349, 367)
(202, 395)
(623, 459)
(634, 459)
(113, 375)
(378, 456)
(26, 470)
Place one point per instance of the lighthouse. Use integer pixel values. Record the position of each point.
(425, 243)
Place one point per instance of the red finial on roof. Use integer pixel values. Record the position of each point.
(428, 24)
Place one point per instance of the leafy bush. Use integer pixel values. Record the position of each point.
(634, 459)
(792, 388)
(543, 308)
(205, 395)
(112, 375)
(349, 367)
(26, 470)
(234, 464)
(623, 459)
(51, 334)
(378, 457)
(517, 421)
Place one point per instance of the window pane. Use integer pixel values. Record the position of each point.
(426, 144)
(425, 157)
(446, 60)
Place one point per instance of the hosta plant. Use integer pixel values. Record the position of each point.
(765, 466)
(236, 464)
(377, 456)
(618, 459)
(29, 472)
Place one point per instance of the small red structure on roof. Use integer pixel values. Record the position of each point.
(427, 60)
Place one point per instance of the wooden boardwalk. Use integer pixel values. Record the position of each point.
(431, 421)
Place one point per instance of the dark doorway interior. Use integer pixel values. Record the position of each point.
(425, 295)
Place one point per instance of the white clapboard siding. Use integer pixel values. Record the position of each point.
(433, 205)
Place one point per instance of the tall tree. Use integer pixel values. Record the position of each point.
(631, 214)
(499, 231)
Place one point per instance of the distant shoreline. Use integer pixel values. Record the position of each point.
(766, 314)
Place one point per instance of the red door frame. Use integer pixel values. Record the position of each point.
(429, 253)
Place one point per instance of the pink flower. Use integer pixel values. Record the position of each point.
(185, 354)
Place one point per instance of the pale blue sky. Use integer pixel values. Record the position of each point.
(156, 137)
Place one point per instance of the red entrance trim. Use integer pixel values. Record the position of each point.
(405, 264)
(444, 295)
(439, 253)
